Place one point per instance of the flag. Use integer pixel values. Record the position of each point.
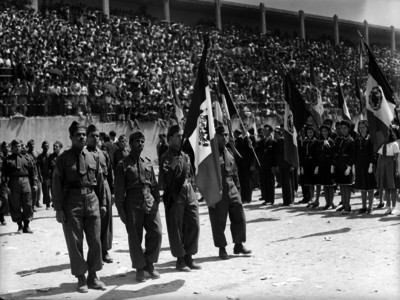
(358, 96)
(380, 103)
(317, 108)
(200, 132)
(176, 102)
(342, 103)
(296, 115)
(361, 51)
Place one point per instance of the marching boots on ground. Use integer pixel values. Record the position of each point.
(230, 204)
(181, 205)
(80, 201)
(106, 234)
(137, 199)
(18, 172)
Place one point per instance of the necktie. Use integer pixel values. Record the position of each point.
(81, 166)
(19, 162)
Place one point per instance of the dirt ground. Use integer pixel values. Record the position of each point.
(298, 253)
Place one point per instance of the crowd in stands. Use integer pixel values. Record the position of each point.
(70, 61)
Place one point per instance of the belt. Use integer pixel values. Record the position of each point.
(80, 192)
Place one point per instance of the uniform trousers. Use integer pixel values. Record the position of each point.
(183, 227)
(82, 215)
(106, 234)
(20, 200)
(229, 205)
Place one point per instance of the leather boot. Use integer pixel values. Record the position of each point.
(140, 275)
(82, 284)
(26, 227)
(190, 263)
(20, 228)
(94, 282)
(240, 249)
(149, 268)
(181, 265)
(222, 253)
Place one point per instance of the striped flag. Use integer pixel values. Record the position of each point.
(342, 103)
(317, 108)
(296, 116)
(380, 103)
(200, 132)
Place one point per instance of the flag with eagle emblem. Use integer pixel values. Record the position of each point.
(317, 107)
(200, 132)
(380, 103)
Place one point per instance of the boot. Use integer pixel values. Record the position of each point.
(190, 263)
(93, 282)
(222, 253)
(20, 228)
(149, 268)
(240, 249)
(140, 275)
(26, 227)
(2, 220)
(107, 258)
(82, 284)
(181, 265)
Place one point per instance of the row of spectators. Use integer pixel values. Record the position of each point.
(71, 62)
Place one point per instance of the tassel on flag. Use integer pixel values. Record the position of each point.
(342, 103)
(200, 132)
(317, 107)
(380, 103)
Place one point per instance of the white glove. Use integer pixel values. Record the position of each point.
(370, 169)
(301, 170)
(347, 172)
(316, 171)
(332, 169)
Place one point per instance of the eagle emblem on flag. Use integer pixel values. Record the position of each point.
(289, 123)
(375, 98)
(203, 130)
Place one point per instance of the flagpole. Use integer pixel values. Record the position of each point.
(240, 119)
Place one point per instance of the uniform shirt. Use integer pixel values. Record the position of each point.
(120, 154)
(229, 169)
(75, 170)
(136, 175)
(41, 161)
(183, 185)
(18, 165)
(49, 166)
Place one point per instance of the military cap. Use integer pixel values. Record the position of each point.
(44, 143)
(15, 142)
(173, 129)
(75, 126)
(220, 129)
(327, 127)
(136, 135)
(91, 128)
(346, 123)
(31, 142)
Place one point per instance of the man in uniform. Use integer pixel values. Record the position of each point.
(106, 234)
(181, 205)
(33, 156)
(49, 168)
(19, 172)
(79, 200)
(137, 198)
(230, 203)
(122, 151)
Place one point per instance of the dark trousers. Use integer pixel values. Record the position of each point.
(183, 227)
(137, 220)
(4, 194)
(288, 186)
(267, 183)
(233, 207)
(106, 234)
(36, 195)
(46, 193)
(246, 189)
(83, 216)
(20, 200)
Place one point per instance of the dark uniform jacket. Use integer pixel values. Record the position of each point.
(18, 165)
(136, 177)
(77, 171)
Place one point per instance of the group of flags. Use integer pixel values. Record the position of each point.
(200, 124)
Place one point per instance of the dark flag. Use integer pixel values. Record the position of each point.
(317, 108)
(358, 96)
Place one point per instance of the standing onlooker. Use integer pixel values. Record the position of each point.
(18, 171)
(48, 171)
(364, 161)
(387, 171)
(122, 151)
(230, 204)
(41, 161)
(180, 200)
(79, 201)
(137, 199)
(325, 165)
(343, 168)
